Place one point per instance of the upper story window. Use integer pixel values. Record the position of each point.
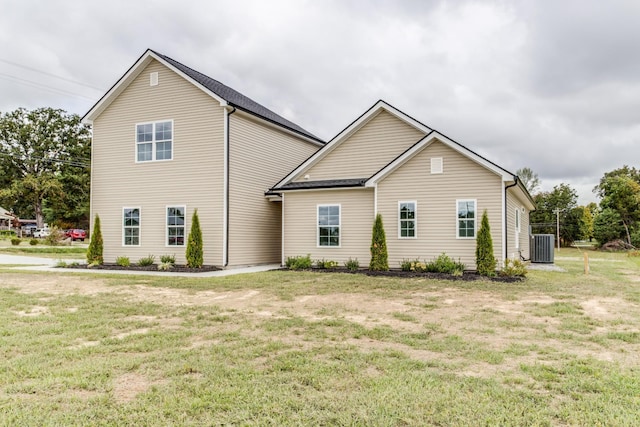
(154, 141)
(407, 219)
(466, 219)
(329, 225)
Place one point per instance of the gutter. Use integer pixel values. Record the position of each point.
(225, 261)
(506, 214)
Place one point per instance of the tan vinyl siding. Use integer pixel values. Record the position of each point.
(436, 195)
(259, 157)
(367, 151)
(301, 228)
(193, 178)
(513, 203)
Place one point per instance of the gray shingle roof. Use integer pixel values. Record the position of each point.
(236, 99)
(328, 183)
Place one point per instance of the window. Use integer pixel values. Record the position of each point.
(329, 225)
(131, 227)
(407, 219)
(436, 165)
(466, 219)
(175, 225)
(154, 141)
(517, 233)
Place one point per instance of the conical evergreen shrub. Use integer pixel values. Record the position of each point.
(485, 261)
(195, 254)
(379, 257)
(94, 252)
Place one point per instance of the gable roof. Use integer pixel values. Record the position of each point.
(220, 92)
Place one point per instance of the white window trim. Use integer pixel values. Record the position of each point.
(318, 206)
(166, 226)
(154, 142)
(517, 223)
(475, 220)
(438, 160)
(415, 220)
(139, 226)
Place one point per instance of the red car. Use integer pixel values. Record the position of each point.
(76, 234)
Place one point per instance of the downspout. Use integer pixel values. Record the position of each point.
(226, 190)
(506, 214)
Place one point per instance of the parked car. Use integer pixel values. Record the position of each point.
(41, 232)
(29, 229)
(76, 234)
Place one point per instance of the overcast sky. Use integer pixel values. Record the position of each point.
(551, 85)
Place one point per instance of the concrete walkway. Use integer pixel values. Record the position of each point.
(48, 264)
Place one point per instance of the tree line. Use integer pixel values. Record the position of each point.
(45, 158)
(615, 218)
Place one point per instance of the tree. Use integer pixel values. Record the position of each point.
(379, 257)
(485, 260)
(562, 198)
(529, 179)
(587, 221)
(607, 226)
(95, 249)
(619, 190)
(46, 154)
(195, 254)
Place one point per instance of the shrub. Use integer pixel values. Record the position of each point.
(379, 256)
(485, 260)
(513, 268)
(15, 241)
(94, 252)
(55, 237)
(445, 264)
(413, 265)
(299, 262)
(165, 266)
(326, 264)
(607, 226)
(168, 259)
(352, 264)
(61, 264)
(123, 261)
(33, 242)
(146, 261)
(195, 255)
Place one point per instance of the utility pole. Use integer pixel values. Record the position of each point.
(557, 212)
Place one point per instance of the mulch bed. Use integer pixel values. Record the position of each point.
(467, 276)
(153, 267)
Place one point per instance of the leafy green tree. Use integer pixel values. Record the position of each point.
(619, 190)
(195, 251)
(563, 198)
(529, 179)
(587, 222)
(45, 154)
(607, 226)
(485, 260)
(96, 245)
(379, 257)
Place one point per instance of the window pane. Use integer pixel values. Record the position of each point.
(323, 210)
(163, 131)
(334, 210)
(144, 133)
(163, 150)
(145, 152)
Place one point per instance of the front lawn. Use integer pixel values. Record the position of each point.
(306, 348)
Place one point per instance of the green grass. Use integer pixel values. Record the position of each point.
(146, 350)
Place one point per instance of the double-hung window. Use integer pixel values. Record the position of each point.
(329, 225)
(407, 220)
(131, 226)
(466, 227)
(154, 141)
(176, 225)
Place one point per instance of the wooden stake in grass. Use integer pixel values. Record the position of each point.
(586, 263)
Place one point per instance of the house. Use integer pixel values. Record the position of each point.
(430, 190)
(168, 140)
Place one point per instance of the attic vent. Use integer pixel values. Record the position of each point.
(153, 79)
(436, 165)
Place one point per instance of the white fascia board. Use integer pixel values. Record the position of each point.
(130, 75)
(300, 190)
(347, 132)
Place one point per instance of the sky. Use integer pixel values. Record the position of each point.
(545, 84)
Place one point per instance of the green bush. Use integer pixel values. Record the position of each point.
(168, 259)
(299, 262)
(15, 241)
(165, 266)
(352, 264)
(513, 268)
(195, 255)
(96, 246)
(146, 261)
(326, 264)
(123, 261)
(607, 226)
(33, 242)
(61, 264)
(413, 265)
(7, 233)
(445, 264)
(485, 260)
(379, 257)
(55, 237)
(635, 237)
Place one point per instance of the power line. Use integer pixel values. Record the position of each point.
(78, 162)
(43, 86)
(51, 75)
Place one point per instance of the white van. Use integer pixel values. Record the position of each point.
(41, 232)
